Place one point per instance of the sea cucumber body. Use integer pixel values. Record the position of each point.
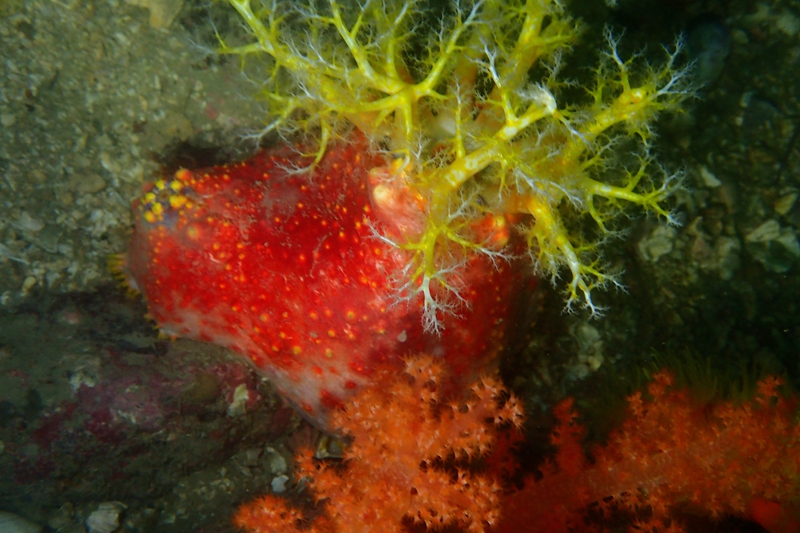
(286, 268)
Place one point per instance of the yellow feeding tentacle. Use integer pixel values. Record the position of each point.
(450, 94)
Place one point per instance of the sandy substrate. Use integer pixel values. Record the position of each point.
(92, 99)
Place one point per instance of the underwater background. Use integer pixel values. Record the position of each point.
(99, 417)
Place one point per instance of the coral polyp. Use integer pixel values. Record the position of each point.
(452, 99)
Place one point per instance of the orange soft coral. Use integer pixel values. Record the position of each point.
(669, 455)
(408, 462)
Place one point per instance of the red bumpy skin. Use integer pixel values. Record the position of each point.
(288, 269)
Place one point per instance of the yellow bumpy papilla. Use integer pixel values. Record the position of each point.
(452, 98)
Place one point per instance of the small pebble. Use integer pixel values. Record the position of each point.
(88, 183)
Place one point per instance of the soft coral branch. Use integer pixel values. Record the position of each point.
(409, 460)
(669, 454)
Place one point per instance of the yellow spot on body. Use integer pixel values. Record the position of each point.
(282, 335)
(263, 317)
(150, 217)
(313, 315)
(183, 174)
(176, 201)
(331, 333)
(350, 315)
(296, 350)
(328, 353)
